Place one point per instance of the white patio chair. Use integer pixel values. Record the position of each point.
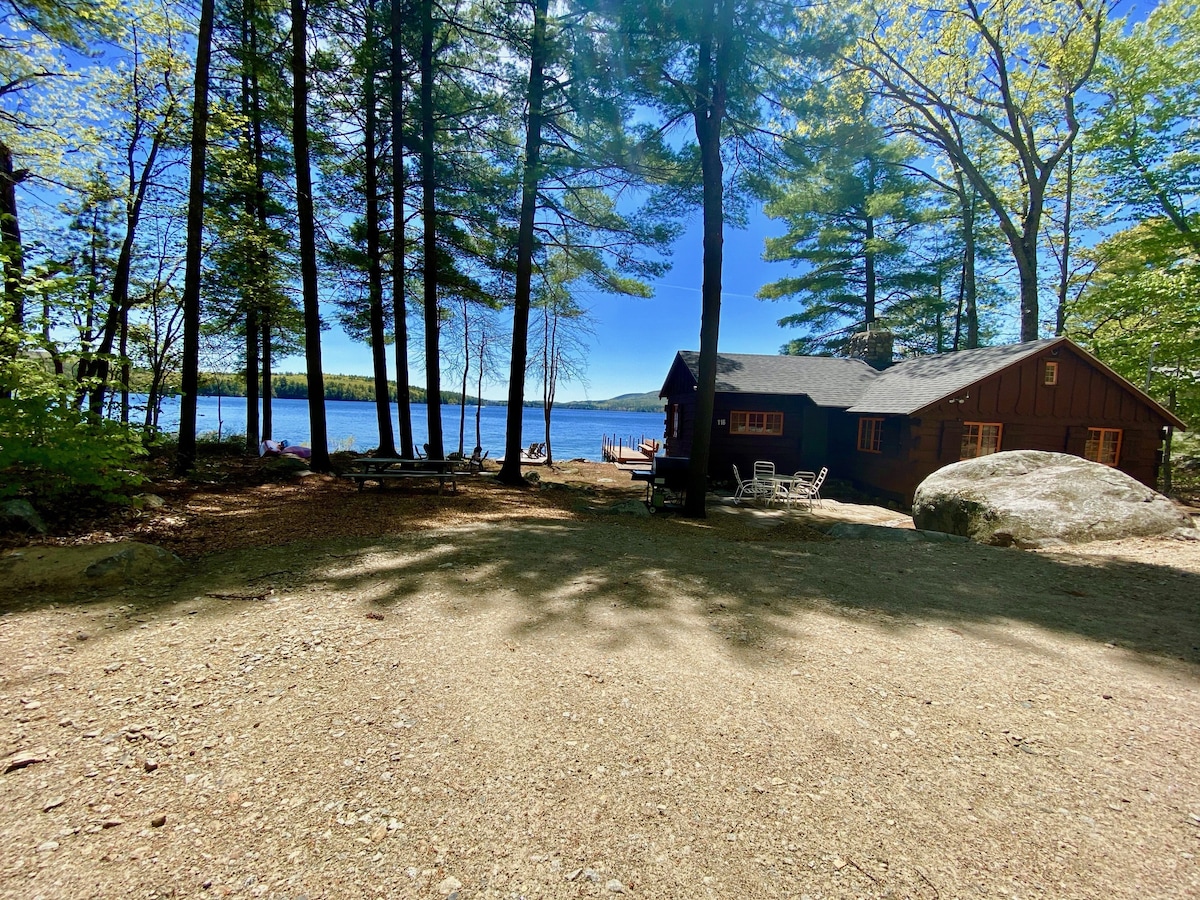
(799, 488)
(767, 487)
(815, 493)
(746, 490)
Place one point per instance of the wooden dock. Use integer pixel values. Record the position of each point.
(628, 451)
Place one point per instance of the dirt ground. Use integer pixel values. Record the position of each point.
(506, 693)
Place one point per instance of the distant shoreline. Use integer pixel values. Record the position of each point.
(357, 388)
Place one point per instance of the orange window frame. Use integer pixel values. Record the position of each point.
(768, 424)
(980, 439)
(1104, 446)
(1050, 373)
(870, 435)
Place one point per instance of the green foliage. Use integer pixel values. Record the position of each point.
(50, 452)
(1142, 304)
(852, 211)
(1147, 139)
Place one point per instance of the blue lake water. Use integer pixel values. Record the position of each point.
(574, 433)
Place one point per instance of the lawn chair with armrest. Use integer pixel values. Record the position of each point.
(749, 490)
(807, 489)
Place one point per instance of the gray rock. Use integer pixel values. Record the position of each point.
(1031, 498)
(19, 515)
(148, 501)
(45, 571)
(132, 561)
(864, 531)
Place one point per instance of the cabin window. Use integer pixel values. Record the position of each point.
(1050, 374)
(769, 423)
(870, 435)
(980, 439)
(675, 420)
(1103, 446)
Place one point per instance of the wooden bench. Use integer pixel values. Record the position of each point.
(382, 469)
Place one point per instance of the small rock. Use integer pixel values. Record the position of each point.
(378, 617)
(112, 823)
(379, 832)
(19, 515)
(53, 803)
(159, 821)
(839, 863)
(24, 758)
(615, 886)
(113, 667)
(449, 885)
(47, 847)
(150, 764)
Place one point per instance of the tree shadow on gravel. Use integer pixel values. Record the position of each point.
(562, 570)
(624, 581)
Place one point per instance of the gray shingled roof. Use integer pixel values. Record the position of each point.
(916, 383)
(828, 381)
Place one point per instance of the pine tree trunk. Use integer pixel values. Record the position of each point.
(433, 373)
(319, 461)
(267, 389)
(190, 376)
(249, 303)
(709, 115)
(510, 471)
(14, 270)
(383, 400)
(399, 302)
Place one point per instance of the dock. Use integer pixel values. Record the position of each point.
(629, 451)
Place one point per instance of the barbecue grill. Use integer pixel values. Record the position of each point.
(668, 485)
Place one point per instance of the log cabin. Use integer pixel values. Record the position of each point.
(885, 426)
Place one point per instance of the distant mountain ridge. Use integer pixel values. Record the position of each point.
(647, 402)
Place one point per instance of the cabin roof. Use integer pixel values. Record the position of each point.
(902, 389)
(826, 380)
(914, 384)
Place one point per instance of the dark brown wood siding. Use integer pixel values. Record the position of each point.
(804, 444)
(1033, 415)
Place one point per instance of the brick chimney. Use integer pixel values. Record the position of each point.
(872, 347)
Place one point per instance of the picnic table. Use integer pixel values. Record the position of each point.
(382, 468)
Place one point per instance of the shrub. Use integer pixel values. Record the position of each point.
(51, 452)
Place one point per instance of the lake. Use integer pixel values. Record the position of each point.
(575, 433)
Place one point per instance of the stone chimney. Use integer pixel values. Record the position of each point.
(872, 347)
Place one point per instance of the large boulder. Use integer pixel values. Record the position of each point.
(1030, 498)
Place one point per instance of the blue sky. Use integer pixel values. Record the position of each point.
(636, 339)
